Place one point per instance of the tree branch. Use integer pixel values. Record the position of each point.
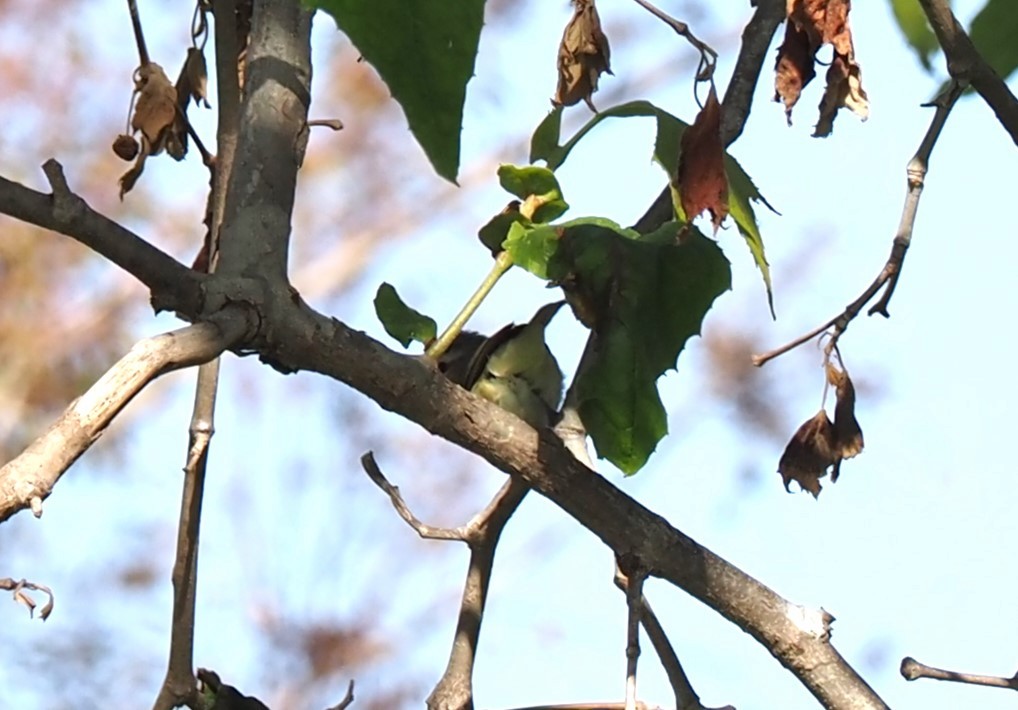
(967, 66)
(911, 669)
(799, 638)
(29, 478)
(454, 691)
(887, 279)
(174, 287)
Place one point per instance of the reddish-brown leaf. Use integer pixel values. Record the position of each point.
(794, 69)
(848, 439)
(812, 24)
(702, 182)
(583, 55)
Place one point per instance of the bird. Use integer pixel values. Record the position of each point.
(512, 368)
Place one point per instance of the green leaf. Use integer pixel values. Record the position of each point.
(644, 297)
(495, 232)
(994, 31)
(424, 51)
(532, 247)
(400, 320)
(537, 187)
(913, 24)
(741, 190)
(546, 135)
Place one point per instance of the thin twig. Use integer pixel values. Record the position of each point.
(967, 65)
(887, 279)
(17, 589)
(455, 688)
(631, 582)
(708, 57)
(347, 700)
(912, 669)
(139, 35)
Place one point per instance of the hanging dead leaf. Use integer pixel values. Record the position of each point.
(156, 108)
(702, 182)
(848, 439)
(196, 75)
(810, 25)
(794, 69)
(844, 88)
(128, 179)
(809, 454)
(583, 55)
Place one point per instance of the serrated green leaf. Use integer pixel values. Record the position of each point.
(537, 187)
(400, 320)
(646, 295)
(994, 31)
(914, 26)
(424, 51)
(741, 190)
(546, 135)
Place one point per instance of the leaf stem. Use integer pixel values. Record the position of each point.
(437, 348)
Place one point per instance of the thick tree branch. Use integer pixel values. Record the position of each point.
(174, 286)
(28, 479)
(273, 135)
(799, 638)
(967, 66)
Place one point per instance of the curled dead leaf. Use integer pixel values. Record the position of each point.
(810, 25)
(194, 77)
(702, 182)
(844, 89)
(583, 55)
(848, 439)
(809, 454)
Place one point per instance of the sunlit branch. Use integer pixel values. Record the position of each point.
(912, 669)
(29, 478)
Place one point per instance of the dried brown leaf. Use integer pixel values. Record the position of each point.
(810, 25)
(809, 454)
(848, 439)
(156, 108)
(844, 89)
(197, 78)
(702, 182)
(794, 69)
(583, 55)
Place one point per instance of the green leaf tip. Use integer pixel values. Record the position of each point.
(401, 321)
(424, 51)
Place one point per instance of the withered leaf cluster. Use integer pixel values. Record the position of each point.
(702, 182)
(820, 444)
(159, 120)
(583, 55)
(811, 25)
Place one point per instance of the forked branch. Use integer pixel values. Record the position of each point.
(888, 277)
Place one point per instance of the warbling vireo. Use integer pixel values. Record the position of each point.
(513, 368)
